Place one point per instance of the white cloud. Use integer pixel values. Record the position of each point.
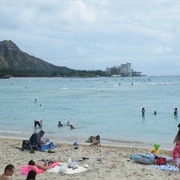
(161, 50)
(78, 11)
(81, 51)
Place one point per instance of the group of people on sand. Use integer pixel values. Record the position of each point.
(68, 124)
(155, 112)
(43, 163)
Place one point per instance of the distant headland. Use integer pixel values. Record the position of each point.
(16, 63)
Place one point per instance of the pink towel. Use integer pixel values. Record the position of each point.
(26, 168)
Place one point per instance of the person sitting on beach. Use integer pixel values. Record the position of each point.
(93, 138)
(60, 124)
(8, 172)
(72, 127)
(43, 140)
(96, 141)
(38, 122)
(31, 175)
(43, 163)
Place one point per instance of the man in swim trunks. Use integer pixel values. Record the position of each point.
(8, 172)
(43, 163)
(38, 122)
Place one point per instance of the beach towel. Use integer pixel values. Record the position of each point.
(167, 167)
(63, 168)
(48, 145)
(26, 168)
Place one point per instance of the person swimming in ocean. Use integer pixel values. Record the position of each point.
(60, 124)
(72, 127)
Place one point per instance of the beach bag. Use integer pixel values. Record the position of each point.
(160, 161)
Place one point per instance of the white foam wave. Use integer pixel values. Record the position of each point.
(10, 132)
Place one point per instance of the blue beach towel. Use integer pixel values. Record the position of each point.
(48, 145)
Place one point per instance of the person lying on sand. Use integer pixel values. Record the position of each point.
(43, 163)
(8, 172)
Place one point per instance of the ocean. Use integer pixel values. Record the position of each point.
(108, 106)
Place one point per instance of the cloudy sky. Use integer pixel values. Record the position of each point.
(95, 34)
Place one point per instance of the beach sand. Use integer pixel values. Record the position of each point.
(115, 161)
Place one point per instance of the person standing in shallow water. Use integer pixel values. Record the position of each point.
(175, 111)
(143, 111)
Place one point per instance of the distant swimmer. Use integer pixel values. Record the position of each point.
(38, 122)
(175, 111)
(155, 112)
(60, 124)
(143, 111)
(68, 123)
(72, 127)
(35, 100)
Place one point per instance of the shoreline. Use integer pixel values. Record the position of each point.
(105, 142)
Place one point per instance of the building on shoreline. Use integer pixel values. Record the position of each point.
(123, 70)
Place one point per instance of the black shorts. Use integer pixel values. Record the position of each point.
(37, 123)
(47, 160)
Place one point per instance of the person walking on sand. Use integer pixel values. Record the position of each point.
(8, 172)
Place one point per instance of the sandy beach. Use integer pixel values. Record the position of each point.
(114, 161)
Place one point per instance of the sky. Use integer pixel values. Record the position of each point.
(96, 34)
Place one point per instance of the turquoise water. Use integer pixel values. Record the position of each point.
(110, 107)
